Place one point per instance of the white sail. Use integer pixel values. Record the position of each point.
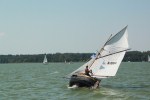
(45, 60)
(148, 58)
(108, 59)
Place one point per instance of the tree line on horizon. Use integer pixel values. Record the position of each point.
(132, 56)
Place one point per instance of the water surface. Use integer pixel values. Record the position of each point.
(35, 81)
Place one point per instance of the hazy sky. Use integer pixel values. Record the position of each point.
(77, 26)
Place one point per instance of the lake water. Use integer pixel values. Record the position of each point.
(35, 81)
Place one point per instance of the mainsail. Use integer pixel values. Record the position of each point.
(109, 57)
(45, 60)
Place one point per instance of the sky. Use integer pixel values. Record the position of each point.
(71, 26)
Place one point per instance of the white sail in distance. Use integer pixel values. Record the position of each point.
(109, 57)
(45, 60)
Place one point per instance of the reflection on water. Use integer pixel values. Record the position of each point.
(36, 81)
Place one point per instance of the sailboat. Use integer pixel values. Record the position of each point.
(45, 60)
(104, 64)
(148, 58)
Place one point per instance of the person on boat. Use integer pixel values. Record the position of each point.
(87, 71)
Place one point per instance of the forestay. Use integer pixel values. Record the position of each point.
(109, 57)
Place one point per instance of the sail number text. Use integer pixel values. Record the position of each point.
(112, 63)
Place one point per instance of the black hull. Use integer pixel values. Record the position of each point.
(82, 81)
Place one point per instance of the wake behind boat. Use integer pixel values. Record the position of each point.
(104, 64)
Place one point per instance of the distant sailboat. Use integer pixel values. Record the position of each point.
(45, 60)
(105, 63)
(67, 62)
(148, 58)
